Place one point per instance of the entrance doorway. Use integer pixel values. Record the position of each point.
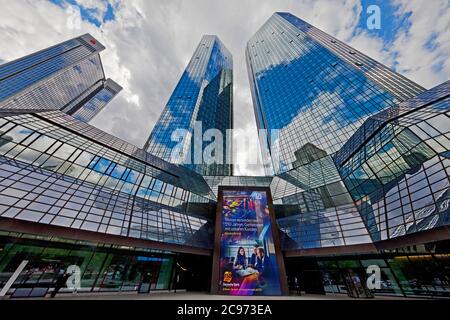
(149, 272)
(355, 282)
(192, 273)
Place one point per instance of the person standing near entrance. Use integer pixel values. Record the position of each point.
(60, 282)
(177, 281)
(297, 286)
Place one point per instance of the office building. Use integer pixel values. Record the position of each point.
(314, 89)
(203, 97)
(67, 77)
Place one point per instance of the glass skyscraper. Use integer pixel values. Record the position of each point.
(203, 95)
(67, 77)
(314, 89)
(336, 141)
(361, 159)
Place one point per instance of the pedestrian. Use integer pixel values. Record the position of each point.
(60, 282)
(297, 286)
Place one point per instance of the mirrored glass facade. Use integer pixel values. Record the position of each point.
(390, 179)
(100, 98)
(351, 164)
(315, 89)
(399, 178)
(203, 95)
(52, 176)
(67, 77)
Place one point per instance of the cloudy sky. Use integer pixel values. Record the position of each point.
(149, 43)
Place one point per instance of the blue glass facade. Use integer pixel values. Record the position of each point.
(203, 94)
(390, 179)
(18, 75)
(63, 77)
(303, 86)
(348, 150)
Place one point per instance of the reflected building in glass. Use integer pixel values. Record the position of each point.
(68, 77)
(202, 100)
(86, 109)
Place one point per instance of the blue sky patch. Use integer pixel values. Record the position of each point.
(391, 21)
(92, 15)
(109, 15)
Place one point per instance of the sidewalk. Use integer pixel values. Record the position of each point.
(198, 296)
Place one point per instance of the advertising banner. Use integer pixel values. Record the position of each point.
(247, 262)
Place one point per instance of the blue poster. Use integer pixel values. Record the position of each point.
(248, 264)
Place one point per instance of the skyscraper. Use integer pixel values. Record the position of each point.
(334, 131)
(314, 89)
(67, 77)
(203, 95)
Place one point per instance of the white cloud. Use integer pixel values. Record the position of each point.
(95, 8)
(415, 60)
(99, 5)
(150, 42)
(372, 46)
(408, 53)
